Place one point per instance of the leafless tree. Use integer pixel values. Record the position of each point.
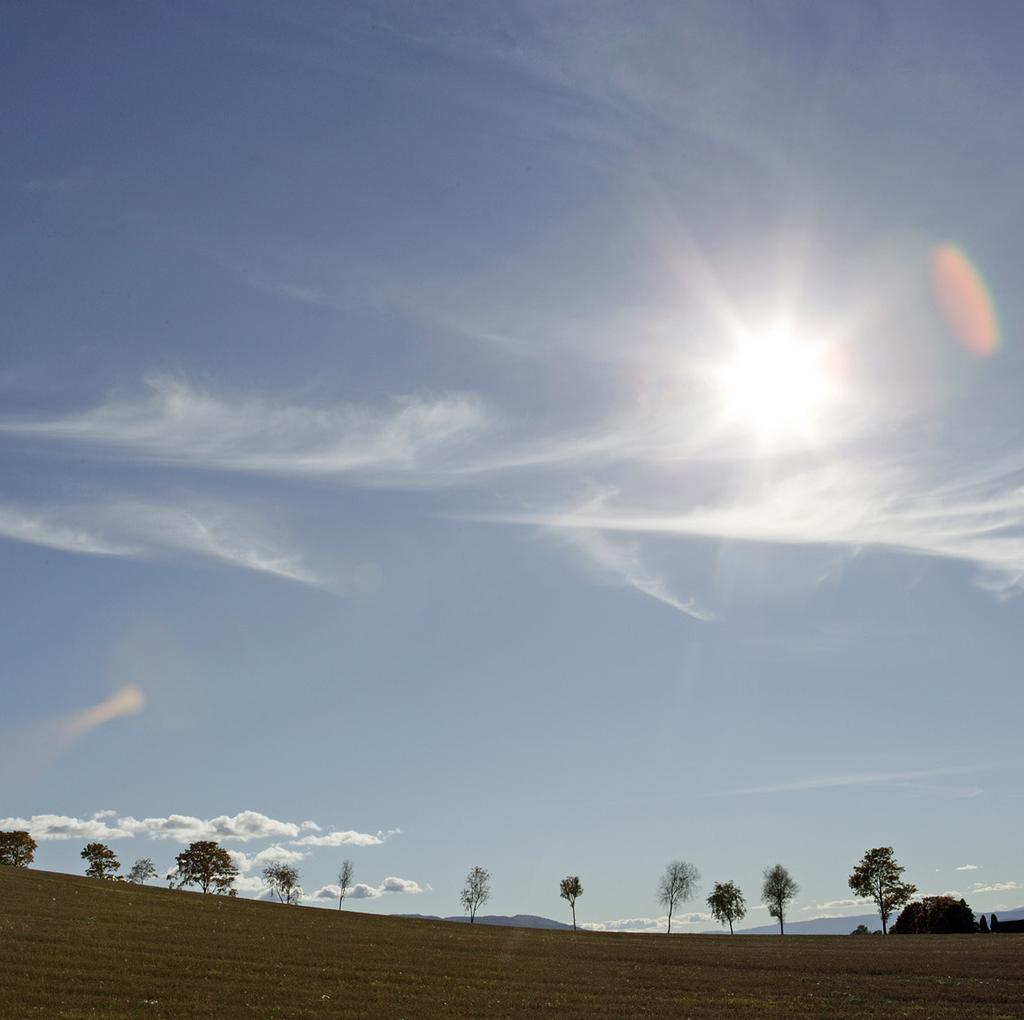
(344, 881)
(141, 870)
(571, 889)
(476, 891)
(777, 892)
(677, 885)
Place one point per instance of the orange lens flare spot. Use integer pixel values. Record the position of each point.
(965, 301)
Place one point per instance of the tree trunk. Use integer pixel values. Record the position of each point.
(573, 905)
(669, 932)
(730, 925)
(782, 926)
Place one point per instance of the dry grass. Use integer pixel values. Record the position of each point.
(74, 947)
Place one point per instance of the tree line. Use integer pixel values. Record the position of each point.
(878, 877)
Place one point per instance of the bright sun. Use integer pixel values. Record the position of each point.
(777, 386)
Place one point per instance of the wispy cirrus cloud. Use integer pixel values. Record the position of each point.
(977, 518)
(50, 529)
(918, 779)
(174, 423)
(134, 528)
(622, 560)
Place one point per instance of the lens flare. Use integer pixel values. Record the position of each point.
(965, 300)
(129, 700)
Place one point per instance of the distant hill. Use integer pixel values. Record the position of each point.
(515, 921)
(844, 925)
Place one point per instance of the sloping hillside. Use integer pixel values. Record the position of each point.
(74, 948)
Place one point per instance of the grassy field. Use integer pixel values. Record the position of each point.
(76, 947)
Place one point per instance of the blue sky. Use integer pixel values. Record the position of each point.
(527, 435)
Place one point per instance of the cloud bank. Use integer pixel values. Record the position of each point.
(243, 827)
(361, 891)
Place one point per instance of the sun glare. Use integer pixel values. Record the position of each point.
(777, 386)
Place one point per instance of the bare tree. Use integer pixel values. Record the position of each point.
(476, 892)
(676, 886)
(103, 862)
(880, 877)
(283, 880)
(571, 889)
(141, 870)
(777, 892)
(727, 903)
(344, 881)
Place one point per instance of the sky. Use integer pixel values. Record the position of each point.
(556, 437)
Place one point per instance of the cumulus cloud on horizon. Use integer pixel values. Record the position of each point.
(243, 827)
(362, 891)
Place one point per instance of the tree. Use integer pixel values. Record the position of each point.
(103, 862)
(207, 865)
(935, 915)
(476, 892)
(344, 881)
(861, 929)
(727, 903)
(778, 891)
(571, 889)
(993, 924)
(983, 925)
(283, 879)
(879, 877)
(676, 886)
(17, 848)
(141, 870)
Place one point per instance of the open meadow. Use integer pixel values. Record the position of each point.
(73, 947)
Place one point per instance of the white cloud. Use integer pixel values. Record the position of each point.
(61, 827)
(833, 904)
(244, 827)
(649, 924)
(967, 867)
(141, 529)
(250, 884)
(913, 780)
(37, 527)
(177, 424)
(346, 838)
(391, 884)
(271, 855)
(362, 891)
(623, 560)
(980, 887)
(977, 518)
